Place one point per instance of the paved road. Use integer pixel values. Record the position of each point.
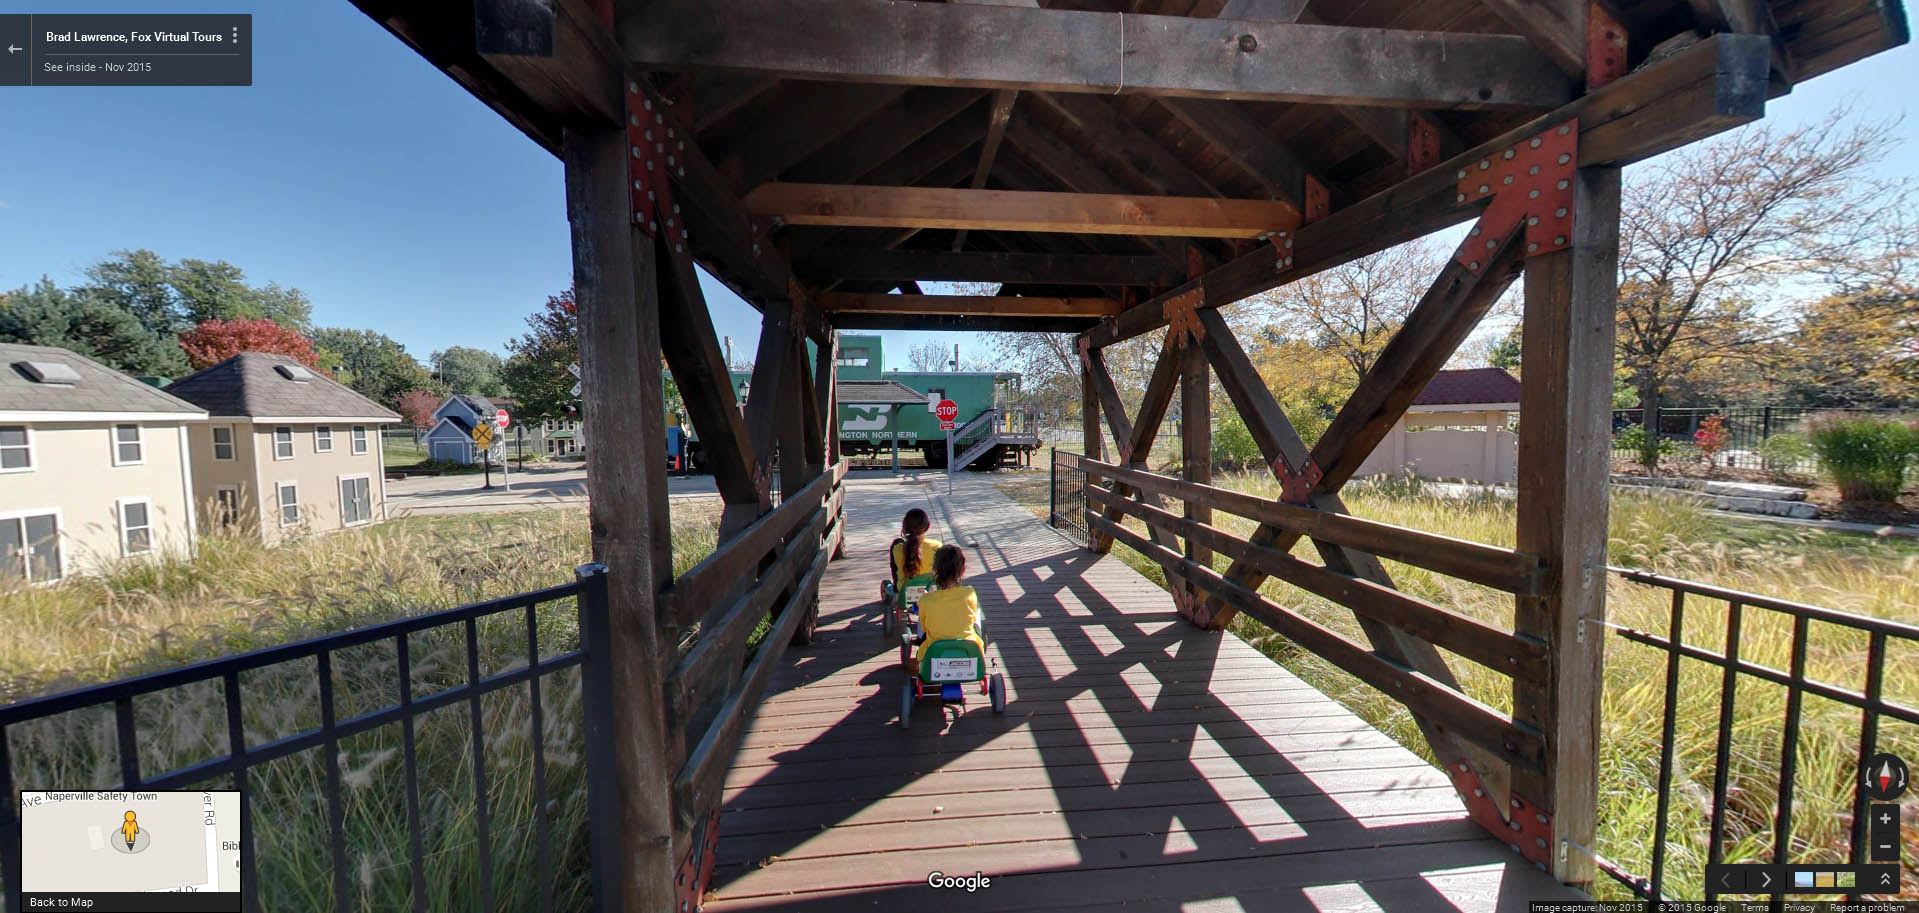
(537, 488)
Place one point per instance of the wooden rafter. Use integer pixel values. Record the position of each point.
(1072, 171)
(934, 115)
(996, 121)
(1556, 27)
(983, 266)
(1713, 86)
(1051, 50)
(838, 303)
(802, 128)
(1019, 210)
(1117, 138)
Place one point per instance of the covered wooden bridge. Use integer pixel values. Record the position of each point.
(1116, 168)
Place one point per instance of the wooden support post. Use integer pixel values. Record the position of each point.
(1567, 344)
(792, 421)
(825, 393)
(1088, 409)
(1196, 437)
(616, 288)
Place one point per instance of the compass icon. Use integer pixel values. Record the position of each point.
(1884, 777)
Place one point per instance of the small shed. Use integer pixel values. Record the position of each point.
(1459, 427)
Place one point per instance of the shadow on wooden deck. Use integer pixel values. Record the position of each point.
(1141, 762)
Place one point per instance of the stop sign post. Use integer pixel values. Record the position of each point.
(500, 420)
(948, 411)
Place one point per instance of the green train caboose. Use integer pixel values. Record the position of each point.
(879, 409)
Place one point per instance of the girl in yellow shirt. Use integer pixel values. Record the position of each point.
(911, 558)
(950, 611)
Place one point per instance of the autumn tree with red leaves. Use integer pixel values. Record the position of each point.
(215, 341)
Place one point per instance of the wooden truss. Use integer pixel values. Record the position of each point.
(1539, 213)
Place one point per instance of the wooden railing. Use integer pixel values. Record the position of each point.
(712, 689)
(1522, 658)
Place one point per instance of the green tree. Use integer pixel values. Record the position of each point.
(168, 298)
(464, 369)
(536, 374)
(371, 363)
(217, 290)
(1704, 233)
(43, 314)
(140, 283)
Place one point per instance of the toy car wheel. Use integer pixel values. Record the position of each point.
(996, 689)
(887, 620)
(906, 705)
(906, 652)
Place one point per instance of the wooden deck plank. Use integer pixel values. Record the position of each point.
(1141, 761)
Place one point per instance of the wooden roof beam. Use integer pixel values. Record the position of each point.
(1713, 86)
(979, 266)
(973, 305)
(963, 323)
(996, 122)
(1391, 128)
(1019, 210)
(1004, 47)
(1556, 27)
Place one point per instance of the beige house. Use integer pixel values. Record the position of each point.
(1459, 427)
(286, 449)
(93, 466)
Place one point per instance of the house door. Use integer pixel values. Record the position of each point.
(226, 506)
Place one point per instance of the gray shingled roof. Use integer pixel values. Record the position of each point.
(248, 385)
(877, 393)
(101, 389)
(480, 405)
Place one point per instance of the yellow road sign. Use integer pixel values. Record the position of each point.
(483, 436)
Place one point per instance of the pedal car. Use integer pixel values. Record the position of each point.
(944, 670)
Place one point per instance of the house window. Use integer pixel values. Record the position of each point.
(127, 447)
(16, 450)
(322, 439)
(853, 358)
(30, 547)
(283, 443)
(136, 527)
(289, 503)
(223, 442)
(359, 439)
(356, 501)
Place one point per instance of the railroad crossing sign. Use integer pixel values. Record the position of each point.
(501, 419)
(948, 411)
(483, 436)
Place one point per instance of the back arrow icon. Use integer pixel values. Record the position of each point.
(11, 49)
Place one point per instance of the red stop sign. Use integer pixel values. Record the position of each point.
(947, 410)
(500, 418)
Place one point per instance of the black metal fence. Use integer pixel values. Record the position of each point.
(1746, 430)
(488, 809)
(1741, 631)
(1066, 506)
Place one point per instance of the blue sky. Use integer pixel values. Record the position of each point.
(353, 170)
